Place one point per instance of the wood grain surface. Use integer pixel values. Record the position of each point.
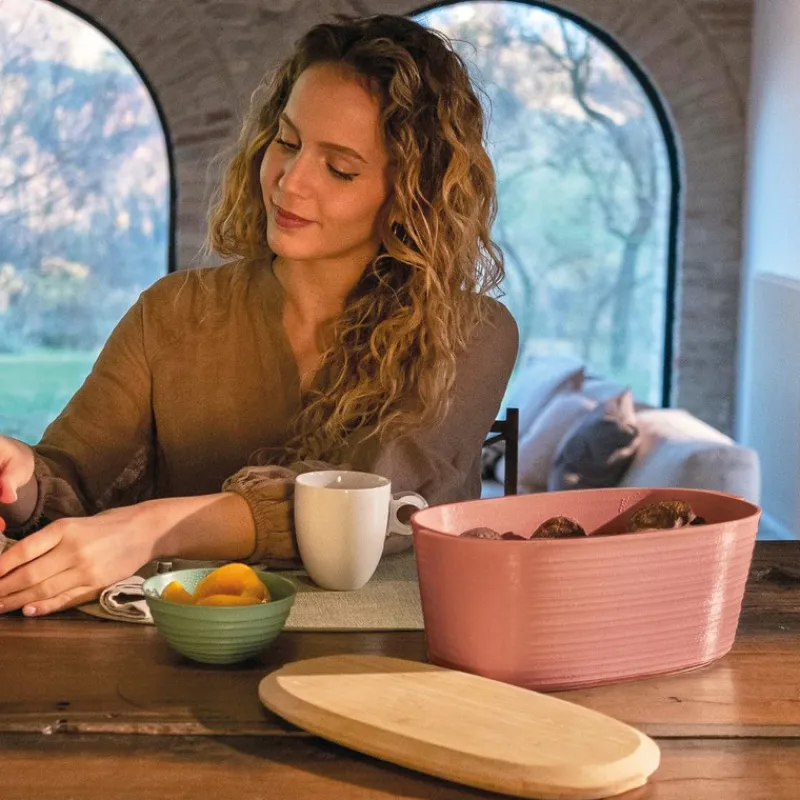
(77, 693)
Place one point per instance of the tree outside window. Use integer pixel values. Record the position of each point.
(584, 186)
(84, 204)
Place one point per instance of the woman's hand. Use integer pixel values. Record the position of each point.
(73, 559)
(16, 473)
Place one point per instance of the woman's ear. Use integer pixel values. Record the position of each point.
(391, 219)
(394, 216)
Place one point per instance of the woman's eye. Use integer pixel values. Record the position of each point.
(337, 173)
(286, 145)
(344, 176)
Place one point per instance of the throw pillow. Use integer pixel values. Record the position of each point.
(537, 382)
(599, 389)
(598, 451)
(537, 448)
(491, 455)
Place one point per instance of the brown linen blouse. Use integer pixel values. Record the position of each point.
(199, 375)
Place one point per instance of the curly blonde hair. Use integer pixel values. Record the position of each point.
(392, 361)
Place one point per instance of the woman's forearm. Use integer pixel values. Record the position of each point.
(216, 527)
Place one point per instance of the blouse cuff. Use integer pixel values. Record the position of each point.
(269, 492)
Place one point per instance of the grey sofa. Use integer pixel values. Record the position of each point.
(676, 449)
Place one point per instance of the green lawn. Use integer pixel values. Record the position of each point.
(35, 386)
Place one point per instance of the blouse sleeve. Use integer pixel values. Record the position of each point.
(443, 463)
(98, 452)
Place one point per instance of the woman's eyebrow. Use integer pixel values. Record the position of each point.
(339, 148)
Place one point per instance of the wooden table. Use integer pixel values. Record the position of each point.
(93, 710)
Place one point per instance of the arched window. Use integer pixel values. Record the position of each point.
(588, 188)
(85, 204)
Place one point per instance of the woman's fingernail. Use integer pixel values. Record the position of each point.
(29, 611)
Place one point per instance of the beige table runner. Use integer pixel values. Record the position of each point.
(389, 602)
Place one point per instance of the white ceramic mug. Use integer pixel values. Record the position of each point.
(342, 519)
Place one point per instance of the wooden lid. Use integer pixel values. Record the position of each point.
(462, 727)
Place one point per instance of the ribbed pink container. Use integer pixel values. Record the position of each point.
(554, 614)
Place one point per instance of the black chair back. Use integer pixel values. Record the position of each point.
(507, 430)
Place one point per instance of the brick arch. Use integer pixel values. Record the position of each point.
(193, 89)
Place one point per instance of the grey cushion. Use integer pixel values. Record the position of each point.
(677, 449)
(598, 451)
(491, 455)
(600, 389)
(536, 382)
(537, 448)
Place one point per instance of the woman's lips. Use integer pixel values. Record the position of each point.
(289, 221)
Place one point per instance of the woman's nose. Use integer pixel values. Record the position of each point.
(296, 175)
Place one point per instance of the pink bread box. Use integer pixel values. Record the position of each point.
(553, 614)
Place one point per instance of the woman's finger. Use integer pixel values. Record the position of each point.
(42, 595)
(32, 574)
(8, 488)
(14, 472)
(30, 548)
(48, 571)
(67, 599)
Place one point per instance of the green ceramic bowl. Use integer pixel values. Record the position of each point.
(215, 634)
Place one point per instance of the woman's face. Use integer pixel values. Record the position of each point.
(324, 177)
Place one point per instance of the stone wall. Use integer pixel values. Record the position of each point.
(204, 57)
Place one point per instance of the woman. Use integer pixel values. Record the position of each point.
(351, 326)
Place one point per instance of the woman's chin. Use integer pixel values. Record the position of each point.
(292, 247)
(290, 250)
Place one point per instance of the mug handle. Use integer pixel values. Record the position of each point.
(401, 507)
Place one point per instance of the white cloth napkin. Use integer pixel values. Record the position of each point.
(125, 600)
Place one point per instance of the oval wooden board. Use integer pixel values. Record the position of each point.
(462, 727)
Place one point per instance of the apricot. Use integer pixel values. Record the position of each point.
(229, 585)
(228, 600)
(232, 579)
(175, 593)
